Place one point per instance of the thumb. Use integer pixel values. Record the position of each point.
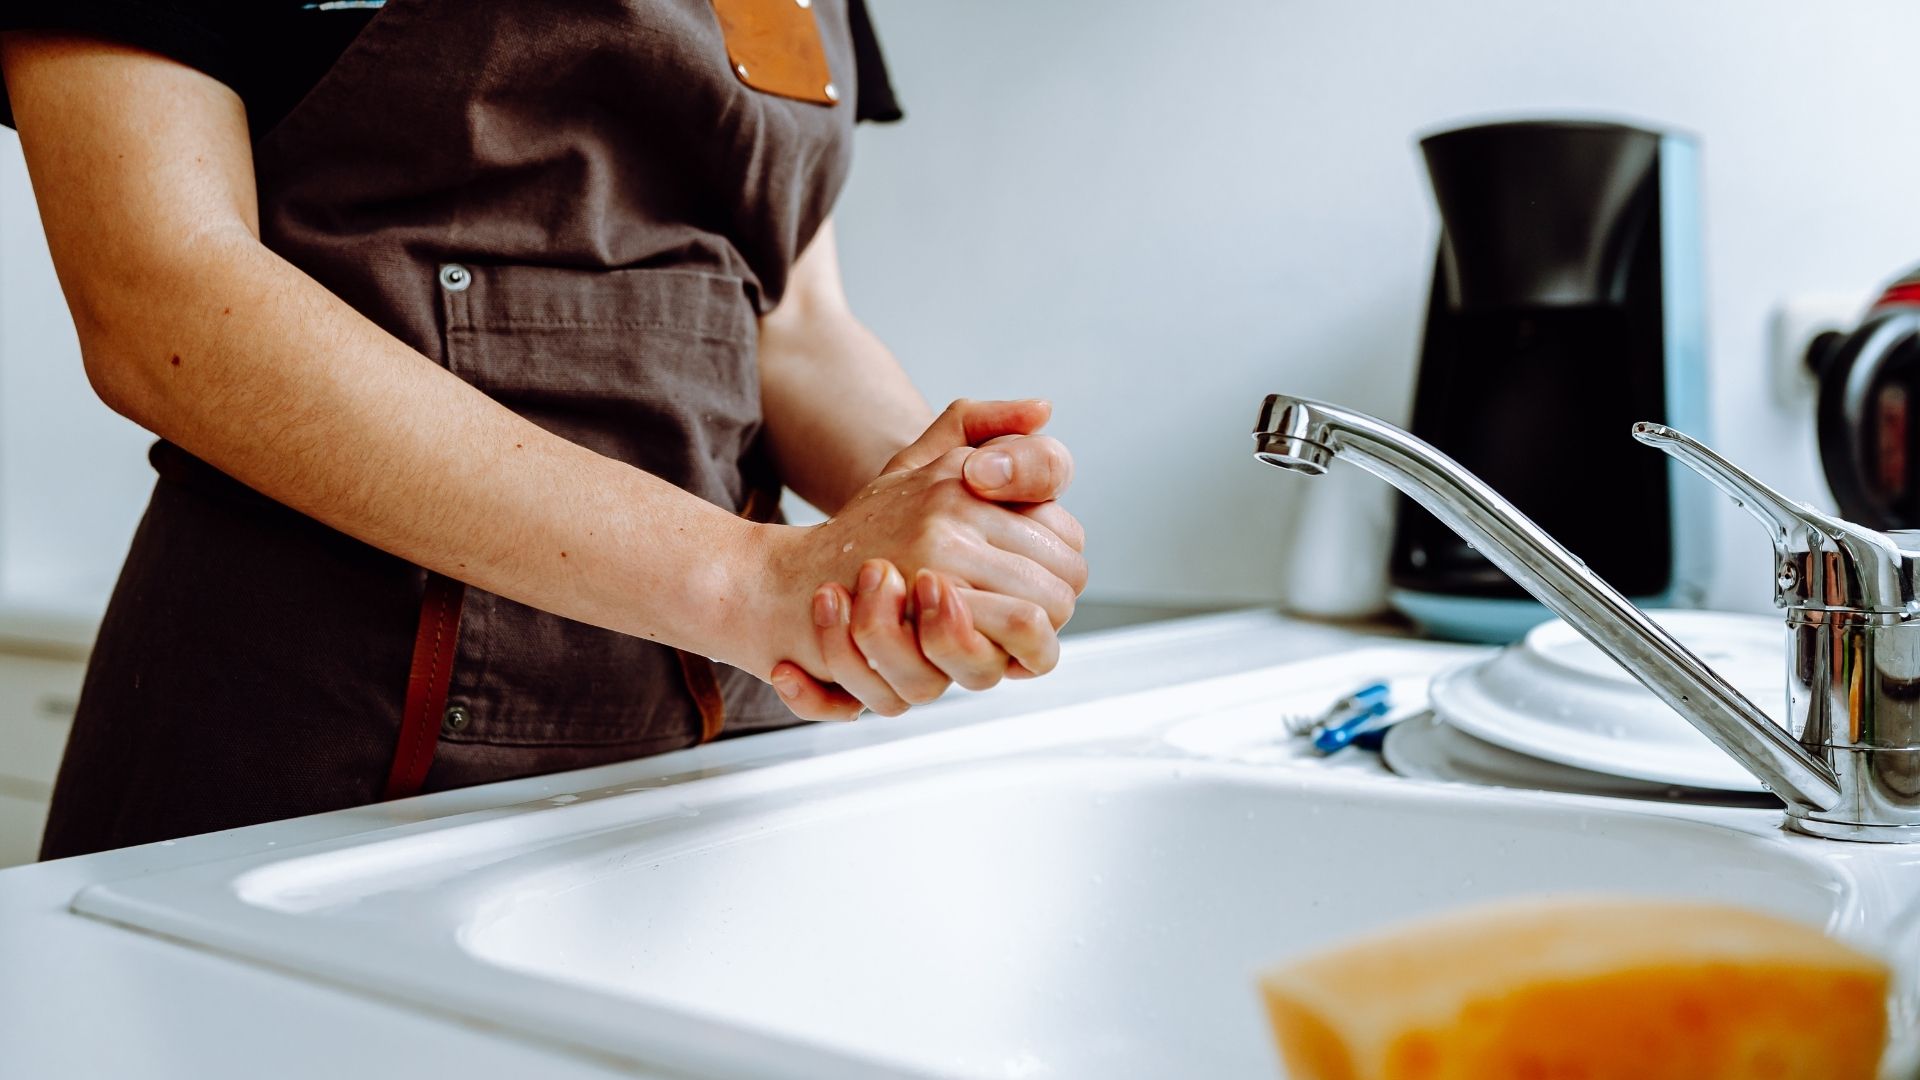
(970, 423)
(1020, 469)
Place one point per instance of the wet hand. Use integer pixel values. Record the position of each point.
(887, 647)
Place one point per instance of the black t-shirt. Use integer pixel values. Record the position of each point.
(271, 52)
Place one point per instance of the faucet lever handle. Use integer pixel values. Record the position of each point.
(1782, 516)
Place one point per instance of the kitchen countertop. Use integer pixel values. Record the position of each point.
(80, 997)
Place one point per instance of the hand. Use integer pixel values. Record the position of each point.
(920, 513)
(888, 650)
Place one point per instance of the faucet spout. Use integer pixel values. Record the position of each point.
(1302, 435)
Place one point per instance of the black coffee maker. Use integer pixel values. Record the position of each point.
(1567, 303)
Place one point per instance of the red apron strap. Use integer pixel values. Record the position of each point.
(432, 671)
(704, 684)
(427, 680)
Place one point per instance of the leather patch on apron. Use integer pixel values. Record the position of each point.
(774, 47)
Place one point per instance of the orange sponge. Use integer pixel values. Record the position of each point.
(1584, 989)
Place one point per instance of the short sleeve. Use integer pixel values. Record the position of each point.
(198, 35)
(269, 53)
(877, 101)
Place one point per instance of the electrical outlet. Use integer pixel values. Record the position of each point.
(1797, 321)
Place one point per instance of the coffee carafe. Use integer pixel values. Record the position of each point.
(1567, 303)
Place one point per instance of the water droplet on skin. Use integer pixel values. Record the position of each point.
(846, 547)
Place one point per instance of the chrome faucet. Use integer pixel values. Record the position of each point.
(1847, 762)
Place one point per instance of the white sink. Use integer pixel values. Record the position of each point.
(1061, 895)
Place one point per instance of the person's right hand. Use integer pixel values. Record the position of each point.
(922, 514)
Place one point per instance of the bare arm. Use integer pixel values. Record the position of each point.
(838, 407)
(840, 410)
(195, 330)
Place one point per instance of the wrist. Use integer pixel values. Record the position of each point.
(761, 614)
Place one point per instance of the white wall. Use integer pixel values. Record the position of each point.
(1155, 213)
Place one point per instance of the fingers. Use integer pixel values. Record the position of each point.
(988, 568)
(886, 663)
(1055, 518)
(885, 636)
(808, 698)
(1020, 629)
(970, 423)
(948, 637)
(1021, 535)
(1029, 469)
(832, 619)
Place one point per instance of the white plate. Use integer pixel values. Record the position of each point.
(1555, 696)
(1427, 748)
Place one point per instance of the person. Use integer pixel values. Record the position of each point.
(478, 339)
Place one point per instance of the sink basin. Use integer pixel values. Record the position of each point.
(1067, 918)
(1059, 895)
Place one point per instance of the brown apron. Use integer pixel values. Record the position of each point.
(578, 206)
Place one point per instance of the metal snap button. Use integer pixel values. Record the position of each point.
(740, 70)
(832, 92)
(804, 3)
(455, 718)
(454, 277)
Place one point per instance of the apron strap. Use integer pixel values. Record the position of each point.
(432, 670)
(703, 682)
(427, 681)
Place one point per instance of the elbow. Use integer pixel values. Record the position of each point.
(113, 386)
(121, 376)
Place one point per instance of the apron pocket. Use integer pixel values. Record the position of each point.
(655, 368)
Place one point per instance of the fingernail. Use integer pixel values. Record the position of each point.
(826, 609)
(870, 577)
(989, 469)
(926, 592)
(788, 686)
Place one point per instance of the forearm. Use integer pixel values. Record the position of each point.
(248, 364)
(837, 403)
(837, 406)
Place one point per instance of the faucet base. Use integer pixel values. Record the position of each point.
(1854, 831)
